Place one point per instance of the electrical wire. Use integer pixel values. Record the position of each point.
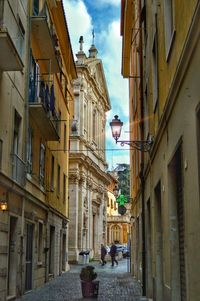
(86, 150)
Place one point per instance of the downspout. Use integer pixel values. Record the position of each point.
(26, 95)
(142, 155)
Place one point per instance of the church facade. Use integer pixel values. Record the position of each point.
(88, 179)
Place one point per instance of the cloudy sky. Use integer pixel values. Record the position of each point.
(104, 17)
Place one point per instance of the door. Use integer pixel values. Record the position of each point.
(180, 215)
(29, 256)
(159, 244)
(12, 262)
(52, 250)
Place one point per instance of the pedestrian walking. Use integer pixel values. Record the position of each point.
(103, 254)
(113, 253)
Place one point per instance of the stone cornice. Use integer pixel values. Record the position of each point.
(117, 219)
(87, 145)
(89, 165)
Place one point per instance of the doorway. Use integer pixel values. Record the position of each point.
(29, 256)
(51, 250)
(159, 243)
(177, 227)
(12, 262)
(64, 255)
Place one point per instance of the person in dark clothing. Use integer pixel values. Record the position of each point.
(103, 254)
(113, 251)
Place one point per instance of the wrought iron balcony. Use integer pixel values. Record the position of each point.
(18, 169)
(42, 108)
(44, 38)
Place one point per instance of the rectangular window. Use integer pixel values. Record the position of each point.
(146, 112)
(64, 189)
(65, 137)
(42, 164)
(21, 39)
(85, 117)
(155, 71)
(29, 151)
(169, 25)
(35, 7)
(40, 240)
(58, 180)
(94, 122)
(59, 123)
(16, 136)
(1, 152)
(52, 172)
(198, 143)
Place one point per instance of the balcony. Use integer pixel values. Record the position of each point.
(42, 109)
(18, 169)
(44, 39)
(10, 59)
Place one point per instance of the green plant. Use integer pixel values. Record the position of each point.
(88, 273)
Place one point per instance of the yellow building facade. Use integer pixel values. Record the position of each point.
(161, 59)
(118, 226)
(37, 68)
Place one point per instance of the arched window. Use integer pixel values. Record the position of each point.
(116, 233)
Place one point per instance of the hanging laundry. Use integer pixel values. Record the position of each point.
(42, 91)
(52, 99)
(31, 89)
(47, 97)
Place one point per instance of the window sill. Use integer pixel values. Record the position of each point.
(39, 263)
(169, 49)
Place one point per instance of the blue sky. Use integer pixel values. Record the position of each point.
(104, 17)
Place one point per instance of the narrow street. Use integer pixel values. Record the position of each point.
(115, 284)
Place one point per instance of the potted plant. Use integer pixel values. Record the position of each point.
(89, 287)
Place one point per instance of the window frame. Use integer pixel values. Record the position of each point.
(40, 243)
(42, 164)
(169, 26)
(58, 180)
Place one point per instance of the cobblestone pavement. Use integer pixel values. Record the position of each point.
(115, 284)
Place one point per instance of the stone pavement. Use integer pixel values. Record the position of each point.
(115, 284)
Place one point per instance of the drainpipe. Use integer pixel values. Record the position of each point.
(26, 95)
(142, 156)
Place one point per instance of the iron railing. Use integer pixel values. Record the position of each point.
(18, 169)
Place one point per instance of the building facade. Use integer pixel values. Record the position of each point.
(88, 179)
(161, 59)
(118, 226)
(37, 68)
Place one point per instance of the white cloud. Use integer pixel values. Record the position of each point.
(117, 86)
(79, 23)
(114, 159)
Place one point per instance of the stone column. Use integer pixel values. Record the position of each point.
(90, 218)
(80, 211)
(73, 216)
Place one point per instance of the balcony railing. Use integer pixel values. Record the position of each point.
(42, 108)
(18, 169)
(11, 40)
(43, 35)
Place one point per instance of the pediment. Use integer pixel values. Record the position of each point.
(97, 72)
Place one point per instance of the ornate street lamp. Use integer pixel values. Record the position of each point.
(3, 206)
(116, 127)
